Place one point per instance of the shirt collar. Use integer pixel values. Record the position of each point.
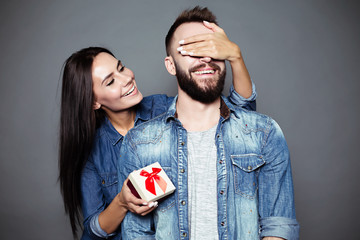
(171, 112)
(143, 111)
(225, 109)
(108, 129)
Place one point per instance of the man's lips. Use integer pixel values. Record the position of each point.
(201, 69)
(205, 71)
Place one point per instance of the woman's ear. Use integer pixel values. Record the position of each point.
(170, 65)
(96, 106)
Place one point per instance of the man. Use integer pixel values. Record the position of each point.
(230, 166)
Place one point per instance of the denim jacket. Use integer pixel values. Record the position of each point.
(254, 181)
(99, 181)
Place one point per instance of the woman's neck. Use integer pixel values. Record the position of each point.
(122, 121)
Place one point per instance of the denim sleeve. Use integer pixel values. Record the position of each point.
(97, 230)
(238, 100)
(133, 226)
(92, 202)
(286, 228)
(276, 193)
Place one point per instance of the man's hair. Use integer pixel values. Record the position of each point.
(197, 14)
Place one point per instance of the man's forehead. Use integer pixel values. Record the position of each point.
(190, 29)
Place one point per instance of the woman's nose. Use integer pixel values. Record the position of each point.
(126, 78)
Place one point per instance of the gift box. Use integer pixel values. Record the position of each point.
(150, 183)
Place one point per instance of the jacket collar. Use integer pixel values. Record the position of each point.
(108, 129)
(225, 109)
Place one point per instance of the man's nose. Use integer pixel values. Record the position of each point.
(205, 59)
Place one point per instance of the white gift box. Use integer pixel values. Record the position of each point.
(150, 183)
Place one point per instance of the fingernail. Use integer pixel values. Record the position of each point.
(206, 22)
(191, 53)
(156, 204)
(183, 52)
(144, 203)
(181, 42)
(179, 48)
(151, 205)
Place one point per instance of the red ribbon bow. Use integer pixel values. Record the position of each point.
(149, 181)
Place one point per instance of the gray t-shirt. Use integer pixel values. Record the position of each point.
(202, 184)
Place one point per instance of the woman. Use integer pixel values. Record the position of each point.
(100, 102)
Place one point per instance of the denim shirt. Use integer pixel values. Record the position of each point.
(99, 180)
(254, 182)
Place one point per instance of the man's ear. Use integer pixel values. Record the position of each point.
(96, 106)
(170, 65)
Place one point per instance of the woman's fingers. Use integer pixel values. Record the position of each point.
(196, 38)
(215, 45)
(213, 48)
(134, 204)
(142, 209)
(205, 36)
(213, 26)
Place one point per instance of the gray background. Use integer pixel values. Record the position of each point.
(302, 55)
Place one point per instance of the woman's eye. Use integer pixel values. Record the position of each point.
(122, 68)
(111, 82)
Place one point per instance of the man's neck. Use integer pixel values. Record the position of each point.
(197, 116)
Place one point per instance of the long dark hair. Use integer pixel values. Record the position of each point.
(78, 123)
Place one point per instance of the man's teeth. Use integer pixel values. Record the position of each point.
(129, 92)
(204, 72)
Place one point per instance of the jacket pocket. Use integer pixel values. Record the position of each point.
(109, 184)
(246, 168)
(109, 179)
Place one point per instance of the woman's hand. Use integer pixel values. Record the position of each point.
(112, 216)
(127, 200)
(215, 45)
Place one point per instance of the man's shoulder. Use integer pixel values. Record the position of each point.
(250, 115)
(150, 129)
(156, 99)
(254, 121)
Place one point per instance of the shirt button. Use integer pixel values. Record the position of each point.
(221, 161)
(103, 182)
(182, 170)
(184, 234)
(250, 168)
(222, 192)
(222, 224)
(182, 143)
(183, 203)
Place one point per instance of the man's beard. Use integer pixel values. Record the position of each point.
(206, 94)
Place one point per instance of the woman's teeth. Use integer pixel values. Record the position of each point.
(129, 92)
(205, 72)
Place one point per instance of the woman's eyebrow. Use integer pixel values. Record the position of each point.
(110, 74)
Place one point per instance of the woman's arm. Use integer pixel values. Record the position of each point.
(112, 216)
(101, 221)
